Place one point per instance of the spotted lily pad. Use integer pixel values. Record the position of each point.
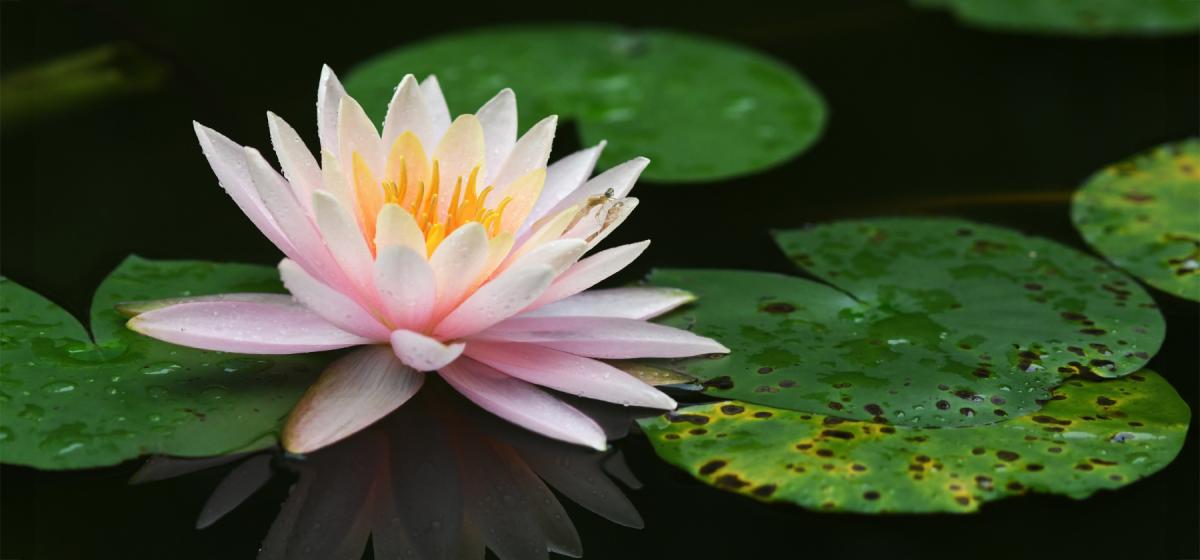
(1076, 17)
(1093, 435)
(1143, 214)
(69, 402)
(929, 322)
(700, 109)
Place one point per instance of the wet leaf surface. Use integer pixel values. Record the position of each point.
(70, 403)
(700, 109)
(1143, 214)
(1093, 435)
(1076, 17)
(941, 322)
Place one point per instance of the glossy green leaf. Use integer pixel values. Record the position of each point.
(700, 109)
(1093, 435)
(929, 322)
(66, 402)
(1143, 214)
(1076, 17)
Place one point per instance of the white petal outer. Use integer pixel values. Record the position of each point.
(345, 241)
(351, 394)
(406, 285)
(395, 226)
(295, 222)
(590, 271)
(563, 177)
(531, 152)
(228, 161)
(297, 162)
(330, 304)
(329, 97)
(244, 327)
(630, 303)
(499, 120)
(558, 255)
(568, 373)
(457, 264)
(357, 134)
(408, 110)
(423, 353)
(522, 404)
(495, 301)
(135, 308)
(612, 338)
(439, 112)
(620, 179)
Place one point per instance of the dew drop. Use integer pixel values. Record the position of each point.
(56, 387)
(161, 368)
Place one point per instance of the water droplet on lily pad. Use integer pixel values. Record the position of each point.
(161, 368)
(55, 387)
(244, 365)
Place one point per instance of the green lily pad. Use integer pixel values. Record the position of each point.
(1093, 435)
(68, 402)
(700, 109)
(1076, 17)
(1143, 214)
(929, 322)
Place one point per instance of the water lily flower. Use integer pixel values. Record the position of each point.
(436, 245)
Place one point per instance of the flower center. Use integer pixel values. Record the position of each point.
(415, 184)
(466, 205)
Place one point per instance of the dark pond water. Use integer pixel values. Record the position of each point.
(928, 118)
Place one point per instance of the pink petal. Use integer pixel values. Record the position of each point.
(406, 285)
(345, 241)
(246, 327)
(499, 120)
(495, 301)
(568, 373)
(357, 135)
(439, 112)
(562, 178)
(330, 304)
(457, 263)
(423, 353)
(522, 404)
(135, 308)
(298, 164)
(408, 110)
(603, 337)
(329, 97)
(590, 271)
(531, 152)
(630, 303)
(294, 220)
(351, 394)
(558, 255)
(228, 161)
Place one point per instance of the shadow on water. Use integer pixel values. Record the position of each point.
(438, 478)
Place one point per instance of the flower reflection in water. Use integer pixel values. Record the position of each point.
(438, 478)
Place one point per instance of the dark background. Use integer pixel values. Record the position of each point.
(927, 117)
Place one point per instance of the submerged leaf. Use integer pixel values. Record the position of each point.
(1093, 435)
(1143, 214)
(942, 323)
(71, 403)
(700, 109)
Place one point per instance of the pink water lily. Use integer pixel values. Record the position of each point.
(438, 245)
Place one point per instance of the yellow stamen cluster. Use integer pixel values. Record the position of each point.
(465, 206)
